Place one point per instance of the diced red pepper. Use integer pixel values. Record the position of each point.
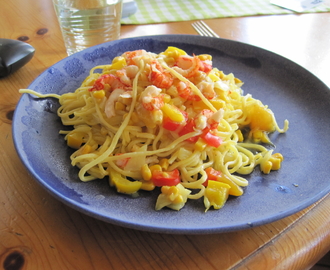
(170, 124)
(212, 174)
(161, 178)
(211, 139)
(189, 127)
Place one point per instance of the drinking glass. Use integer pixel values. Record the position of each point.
(85, 23)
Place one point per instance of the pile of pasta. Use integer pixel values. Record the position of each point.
(169, 122)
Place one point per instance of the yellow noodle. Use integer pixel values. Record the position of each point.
(34, 93)
(136, 134)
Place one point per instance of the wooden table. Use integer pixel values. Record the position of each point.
(39, 232)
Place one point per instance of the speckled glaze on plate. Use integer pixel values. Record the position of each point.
(291, 92)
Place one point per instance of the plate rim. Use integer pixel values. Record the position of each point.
(164, 229)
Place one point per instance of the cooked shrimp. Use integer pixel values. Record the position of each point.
(109, 108)
(200, 121)
(205, 66)
(151, 98)
(159, 77)
(208, 119)
(207, 89)
(187, 65)
(122, 162)
(107, 82)
(186, 92)
(214, 121)
(132, 57)
(126, 74)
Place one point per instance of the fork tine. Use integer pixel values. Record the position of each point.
(203, 29)
(209, 29)
(199, 29)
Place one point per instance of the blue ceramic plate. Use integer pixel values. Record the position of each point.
(291, 92)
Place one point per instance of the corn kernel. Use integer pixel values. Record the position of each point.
(120, 106)
(276, 160)
(164, 189)
(204, 57)
(171, 191)
(266, 167)
(99, 94)
(276, 164)
(146, 172)
(174, 190)
(147, 185)
(155, 168)
(164, 163)
(278, 155)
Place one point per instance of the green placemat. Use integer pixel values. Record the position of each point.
(161, 11)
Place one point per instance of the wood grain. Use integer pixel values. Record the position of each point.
(39, 232)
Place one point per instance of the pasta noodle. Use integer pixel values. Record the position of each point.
(167, 120)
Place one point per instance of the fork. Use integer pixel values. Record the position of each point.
(203, 29)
